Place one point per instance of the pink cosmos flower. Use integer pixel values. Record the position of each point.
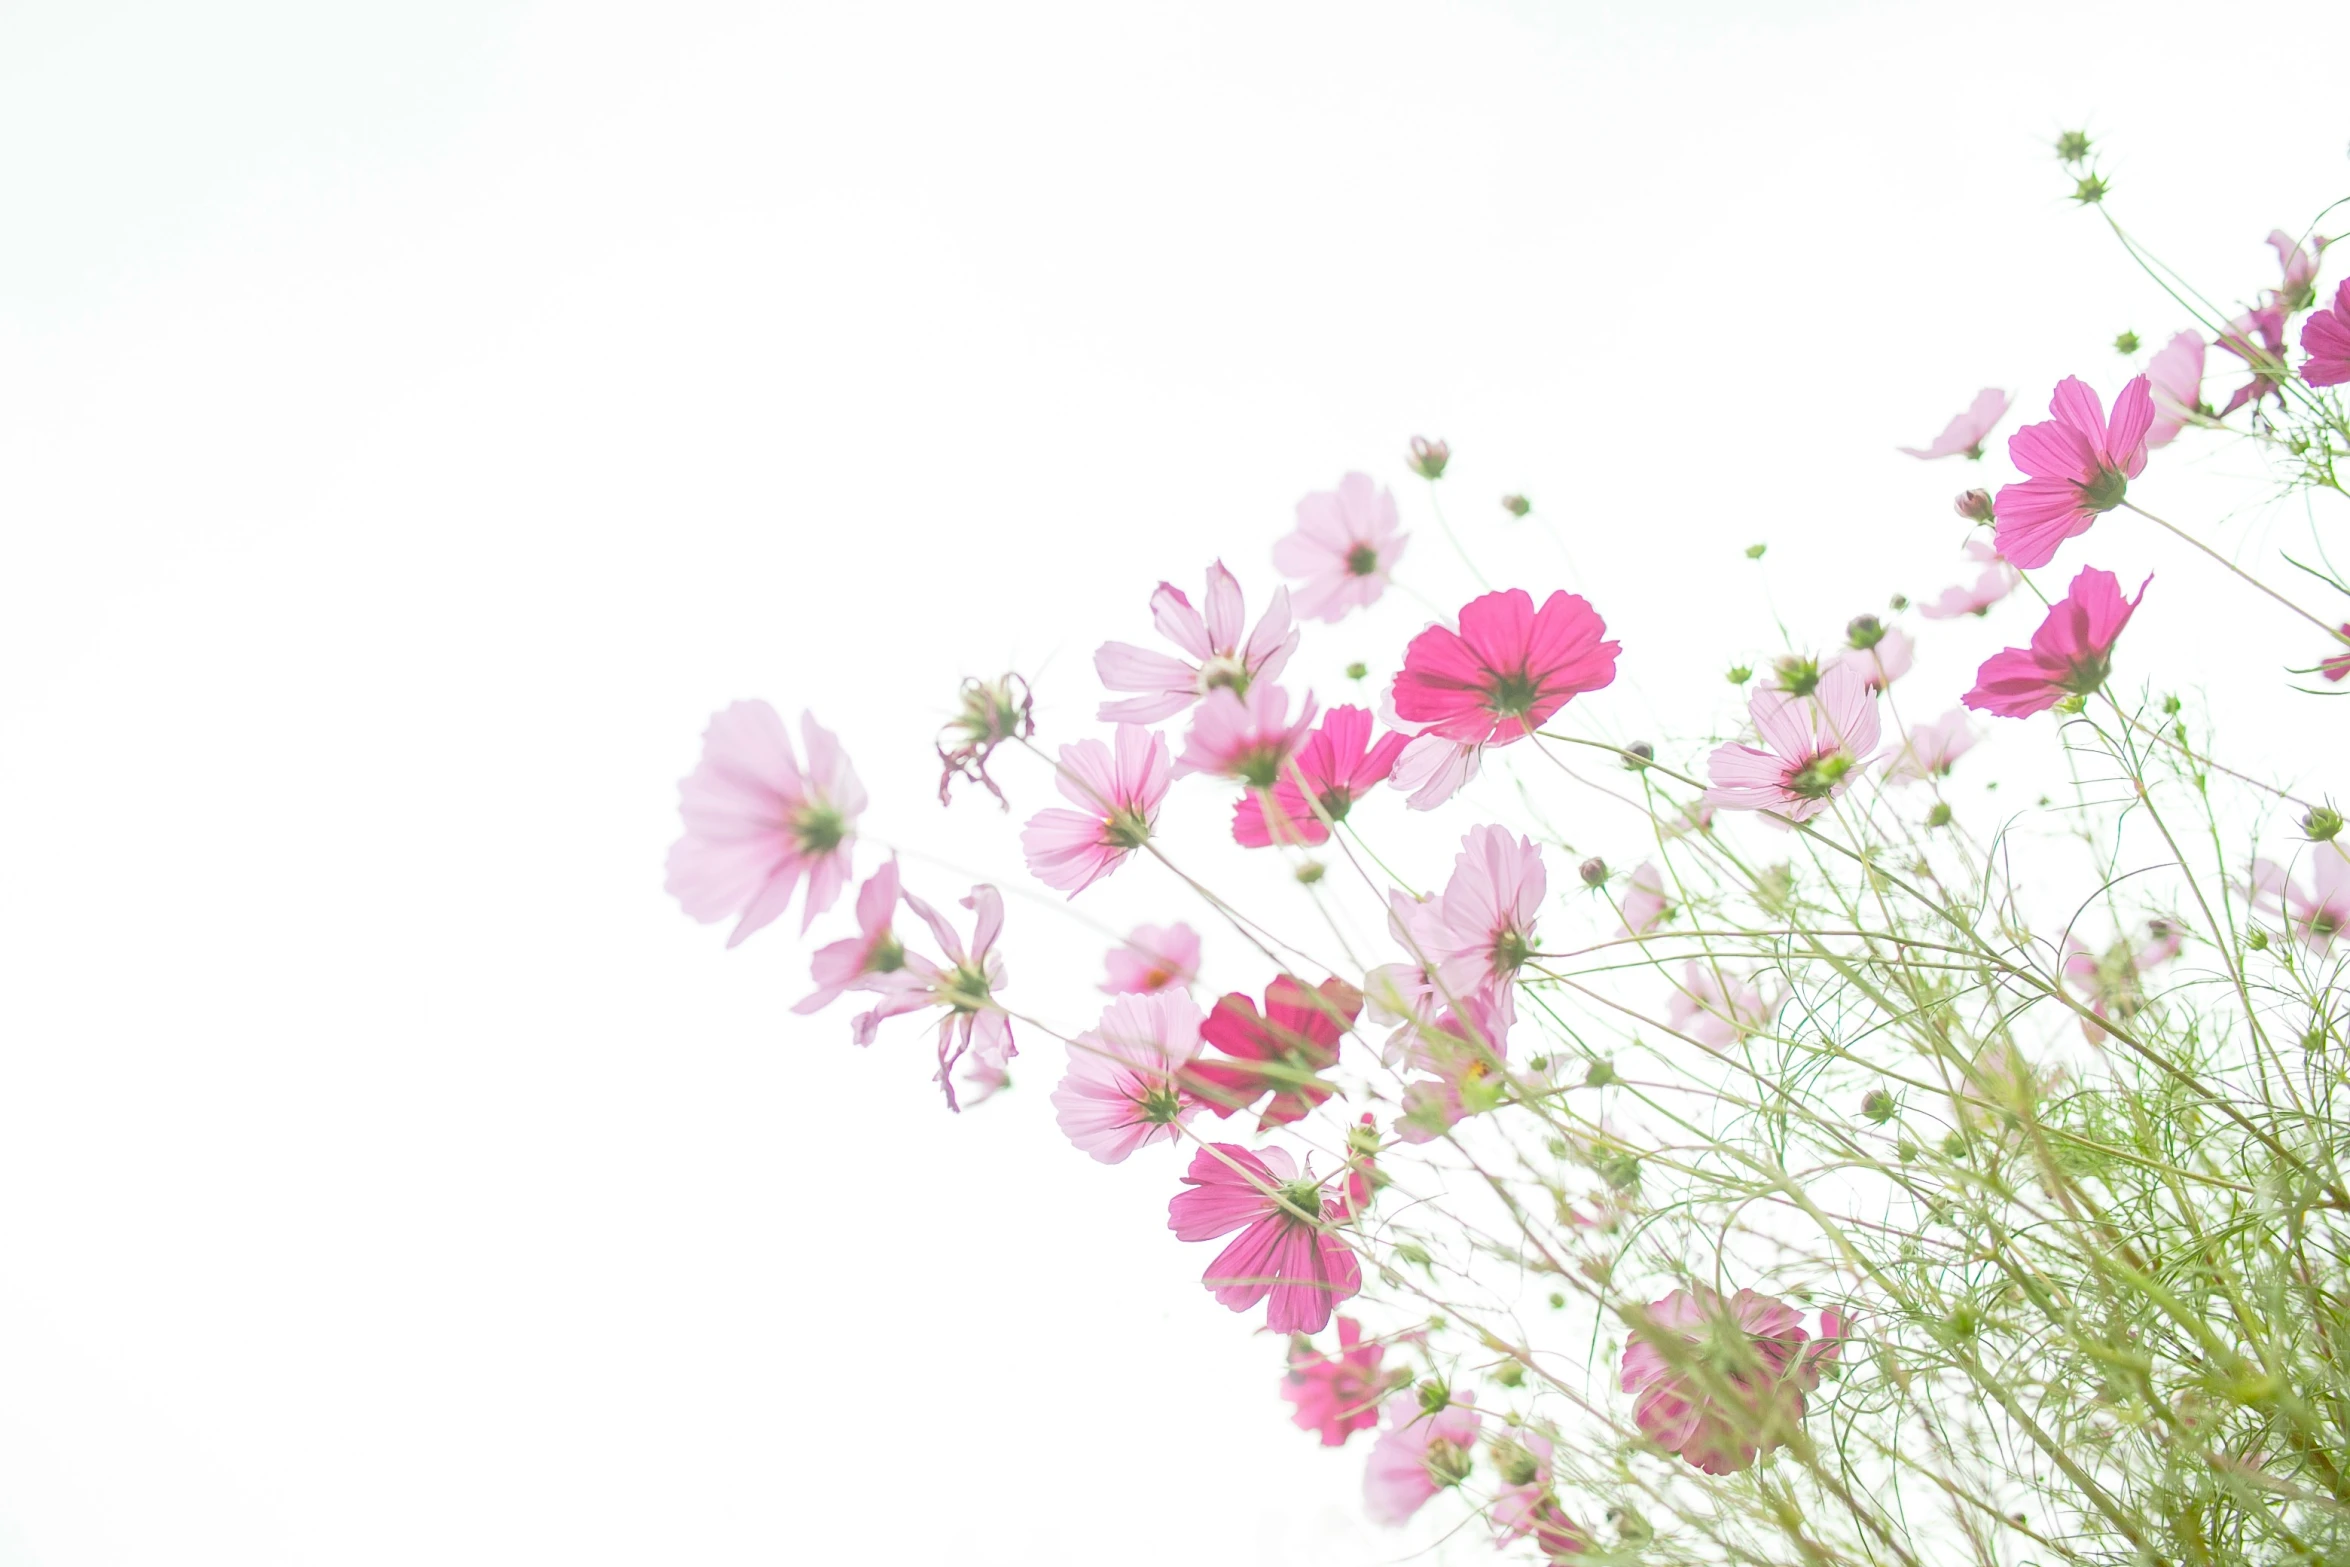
(1816, 745)
(1525, 1504)
(1123, 1088)
(1337, 766)
(1432, 769)
(1645, 902)
(1281, 1051)
(1118, 797)
(756, 823)
(2258, 338)
(2111, 979)
(1931, 749)
(2079, 465)
(1346, 543)
(2175, 379)
(2337, 668)
(851, 963)
(1155, 957)
(1247, 737)
(1998, 580)
(971, 1023)
(1337, 1395)
(2325, 337)
(1722, 1382)
(1966, 432)
(1220, 659)
(1418, 1455)
(1716, 1008)
(1285, 1254)
(2318, 909)
(1881, 662)
(1507, 669)
(2298, 262)
(1483, 929)
(2070, 654)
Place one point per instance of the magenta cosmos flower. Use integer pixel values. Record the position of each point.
(2070, 655)
(1249, 738)
(973, 1032)
(1997, 581)
(1418, 1455)
(1346, 543)
(1812, 748)
(2325, 337)
(2337, 668)
(1281, 1051)
(2110, 979)
(1507, 669)
(1645, 904)
(1932, 749)
(1965, 433)
(1219, 659)
(1123, 1086)
(1716, 1008)
(1285, 1255)
(1155, 957)
(1722, 1382)
(756, 822)
(853, 962)
(2079, 464)
(1117, 794)
(2317, 909)
(2298, 263)
(2258, 338)
(1336, 766)
(1525, 1504)
(1338, 1395)
(2174, 378)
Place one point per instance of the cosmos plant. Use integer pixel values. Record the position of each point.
(1880, 1168)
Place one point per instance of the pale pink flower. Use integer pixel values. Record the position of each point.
(2298, 263)
(2070, 655)
(1507, 670)
(1931, 749)
(1462, 1050)
(1123, 1088)
(1337, 766)
(1220, 660)
(1524, 1504)
(971, 1023)
(2258, 338)
(1722, 1382)
(1338, 1395)
(1279, 1052)
(1432, 769)
(1882, 662)
(1285, 1254)
(852, 963)
(1478, 933)
(1965, 433)
(1118, 795)
(1346, 543)
(2110, 979)
(1716, 1008)
(2318, 909)
(2325, 337)
(1418, 1455)
(2175, 379)
(1997, 581)
(1813, 747)
(756, 822)
(1155, 957)
(2079, 464)
(1645, 902)
(1250, 738)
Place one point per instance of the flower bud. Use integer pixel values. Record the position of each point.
(1598, 1075)
(1357, 671)
(2090, 190)
(1741, 673)
(2257, 940)
(1900, 601)
(2321, 823)
(1594, 871)
(2072, 146)
(1434, 1396)
(1973, 505)
(1878, 1106)
(1638, 755)
(1939, 816)
(1864, 631)
(1309, 873)
(2126, 343)
(1516, 505)
(1798, 676)
(1755, 551)
(2314, 1040)
(1510, 1374)
(1517, 1465)
(1429, 457)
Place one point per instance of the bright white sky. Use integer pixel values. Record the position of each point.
(414, 419)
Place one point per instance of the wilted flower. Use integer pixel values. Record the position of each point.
(989, 713)
(1429, 457)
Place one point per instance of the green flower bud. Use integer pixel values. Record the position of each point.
(1516, 505)
(1429, 457)
(2126, 343)
(1309, 873)
(1593, 871)
(2072, 146)
(1740, 674)
(1755, 551)
(2321, 823)
(1878, 1106)
(1939, 816)
(1357, 670)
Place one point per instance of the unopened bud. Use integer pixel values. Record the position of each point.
(1516, 505)
(1429, 457)
(2257, 940)
(1598, 1075)
(1594, 871)
(2321, 823)
(1741, 673)
(1864, 631)
(2090, 190)
(1939, 816)
(1973, 505)
(1309, 873)
(1639, 754)
(1517, 1466)
(2126, 343)
(1900, 601)
(2314, 1040)
(2072, 146)
(1878, 1106)
(1798, 676)
(1510, 1374)
(1434, 1396)
(1357, 670)
(1755, 551)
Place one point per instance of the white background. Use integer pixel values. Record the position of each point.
(414, 419)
